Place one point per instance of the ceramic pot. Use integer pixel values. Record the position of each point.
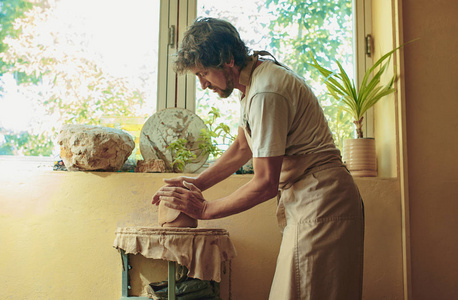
(359, 157)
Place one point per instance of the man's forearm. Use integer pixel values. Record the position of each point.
(263, 186)
(231, 160)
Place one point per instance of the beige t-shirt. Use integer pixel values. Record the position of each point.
(282, 113)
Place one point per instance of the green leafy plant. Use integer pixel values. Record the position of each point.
(214, 134)
(357, 100)
(208, 141)
(181, 154)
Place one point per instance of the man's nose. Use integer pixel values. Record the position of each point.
(204, 83)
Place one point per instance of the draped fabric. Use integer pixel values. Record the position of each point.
(200, 250)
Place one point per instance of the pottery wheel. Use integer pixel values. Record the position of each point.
(167, 126)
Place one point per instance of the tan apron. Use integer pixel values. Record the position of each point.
(321, 216)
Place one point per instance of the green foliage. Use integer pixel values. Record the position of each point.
(10, 10)
(73, 88)
(78, 89)
(215, 134)
(339, 123)
(302, 26)
(181, 154)
(207, 144)
(357, 100)
(323, 27)
(208, 141)
(60, 76)
(26, 144)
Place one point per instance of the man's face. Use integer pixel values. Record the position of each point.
(218, 80)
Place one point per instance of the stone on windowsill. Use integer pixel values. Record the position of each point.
(150, 166)
(94, 148)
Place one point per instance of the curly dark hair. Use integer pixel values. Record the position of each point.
(210, 43)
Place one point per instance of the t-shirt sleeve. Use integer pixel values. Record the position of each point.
(269, 118)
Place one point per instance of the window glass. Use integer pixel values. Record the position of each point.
(289, 30)
(74, 62)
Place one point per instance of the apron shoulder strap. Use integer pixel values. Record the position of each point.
(267, 53)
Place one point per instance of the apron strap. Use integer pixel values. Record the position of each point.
(267, 53)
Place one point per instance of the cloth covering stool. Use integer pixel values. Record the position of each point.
(200, 250)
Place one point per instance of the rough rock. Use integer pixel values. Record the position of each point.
(90, 148)
(150, 166)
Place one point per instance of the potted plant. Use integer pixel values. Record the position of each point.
(359, 153)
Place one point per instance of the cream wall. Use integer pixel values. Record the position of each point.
(57, 231)
(431, 65)
(385, 129)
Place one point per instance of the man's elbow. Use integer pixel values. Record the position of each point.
(270, 189)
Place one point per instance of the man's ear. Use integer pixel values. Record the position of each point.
(230, 63)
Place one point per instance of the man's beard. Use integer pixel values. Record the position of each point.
(227, 91)
(229, 86)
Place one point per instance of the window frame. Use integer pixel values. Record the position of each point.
(174, 90)
(362, 24)
(180, 90)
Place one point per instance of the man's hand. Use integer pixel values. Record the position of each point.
(183, 196)
(173, 182)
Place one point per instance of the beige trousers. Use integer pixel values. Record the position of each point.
(321, 216)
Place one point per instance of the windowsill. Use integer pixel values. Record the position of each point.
(26, 163)
(29, 164)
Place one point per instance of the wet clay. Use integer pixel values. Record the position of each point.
(168, 217)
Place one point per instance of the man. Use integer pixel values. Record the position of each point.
(283, 128)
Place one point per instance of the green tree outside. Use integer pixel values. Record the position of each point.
(289, 29)
(52, 66)
(325, 29)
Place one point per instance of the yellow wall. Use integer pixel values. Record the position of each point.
(431, 65)
(57, 231)
(385, 131)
